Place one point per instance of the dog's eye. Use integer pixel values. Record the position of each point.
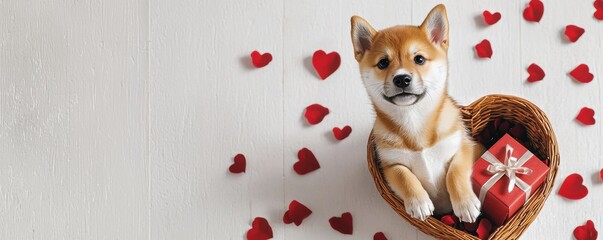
(419, 59)
(383, 63)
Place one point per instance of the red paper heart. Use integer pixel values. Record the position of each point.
(484, 50)
(536, 73)
(325, 64)
(343, 133)
(379, 236)
(534, 11)
(471, 227)
(491, 18)
(599, 9)
(581, 74)
(260, 60)
(307, 162)
(342, 224)
(586, 116)
(260, 230)
(518, 132)
(315, 113)
(239, 164)
(572, 187)
(586, 231)
(573, 32)
(484, 229)
(448, 220)
(297, 213)
(598, 14)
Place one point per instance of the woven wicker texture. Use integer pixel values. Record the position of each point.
(476, 116)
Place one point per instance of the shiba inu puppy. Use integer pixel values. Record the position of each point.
(426, 153)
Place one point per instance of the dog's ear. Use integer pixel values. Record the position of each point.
(362, 36)
(435, 26)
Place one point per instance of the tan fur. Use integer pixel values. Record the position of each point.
(401, 44)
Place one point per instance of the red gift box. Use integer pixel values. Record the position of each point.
(504, 178)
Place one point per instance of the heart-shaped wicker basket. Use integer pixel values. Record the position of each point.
(476, 116)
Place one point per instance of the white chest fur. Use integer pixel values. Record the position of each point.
(429, 165)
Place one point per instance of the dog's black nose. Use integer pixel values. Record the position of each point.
(402, 81)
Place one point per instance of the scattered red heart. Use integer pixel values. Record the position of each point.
(448, 220)
(484, 229)
(260, 60)
(484, 50)
(573, 32)
(307, 162)
(586, 231)
(572, 187)
(599, 9)
(297, 213)
(325, 64)
(581, 74)
(586, 116)
(342, 224)
(315, 113)
(379, 236)
(534, 11)
(260, 229)
(342, 133)
(491, 18)
(239, 164)
(471, 227)
(536, 73)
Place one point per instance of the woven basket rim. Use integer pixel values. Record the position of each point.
(476, 115)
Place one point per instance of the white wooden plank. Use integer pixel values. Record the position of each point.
(73, 120)
(207, 105)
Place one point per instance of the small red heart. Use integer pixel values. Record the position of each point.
(343, 133)
(586, 116)
(536, 73)
(379, 236)
(484, 50)
(239, 164)
(315, 113)
(448, 220)
(342, 224)
(581, 74)
(307, 162)
(325, 64)
(260, 60)
(260, 230)
(491, 18)
(572, 187)
(586, 231)
(297, 213)
(599, 9)
(484, 229)
(534, 11)
(598, 14)
(471, 227)
(518, 131)
(601, 174)
(573, 32)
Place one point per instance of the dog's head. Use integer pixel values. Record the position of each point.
(403, 65)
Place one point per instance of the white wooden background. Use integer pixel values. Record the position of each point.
(120, 118)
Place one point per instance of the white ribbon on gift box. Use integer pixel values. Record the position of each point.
(510, 168)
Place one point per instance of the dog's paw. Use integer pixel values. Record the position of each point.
(467, 208)
(419, 207)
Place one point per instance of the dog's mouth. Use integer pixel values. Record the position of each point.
(404, 95)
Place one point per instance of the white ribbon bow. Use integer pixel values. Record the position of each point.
(510, 168)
